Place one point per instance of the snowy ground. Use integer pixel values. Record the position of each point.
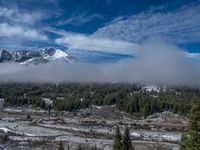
(77, 130)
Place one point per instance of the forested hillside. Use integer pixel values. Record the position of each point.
(73, 96)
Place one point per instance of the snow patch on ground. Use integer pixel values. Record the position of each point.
(5, 130)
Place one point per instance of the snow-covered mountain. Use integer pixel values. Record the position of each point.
(35, 57)
(5, 56)
(56, 54)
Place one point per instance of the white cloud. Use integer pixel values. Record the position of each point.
(29, 12)
(9, 31)
(181, 25)
(195, 56)
(124, 34)
(15, 15)
(158, 63)
(20, 25)
(83, 42)
(79, 19)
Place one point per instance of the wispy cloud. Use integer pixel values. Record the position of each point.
(9, 31)
(195, 56)
(20, 25)
(79, 19)
(181, 25)
(14, 15)
(125, 33)
(84, 42)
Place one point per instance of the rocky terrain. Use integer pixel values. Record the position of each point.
(35, 57)
(27, 128)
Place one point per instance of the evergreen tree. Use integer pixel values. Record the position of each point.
(61, 146)
(80, 147)
(194, 135)
(127, 145)
(194, 116)
(117, 140)
(94, 148)
(183, 143)
(191, 140)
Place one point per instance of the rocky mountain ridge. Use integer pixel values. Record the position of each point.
(35, 57)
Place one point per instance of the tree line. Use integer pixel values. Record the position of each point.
(73, 96)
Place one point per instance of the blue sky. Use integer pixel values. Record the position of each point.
(99, 30)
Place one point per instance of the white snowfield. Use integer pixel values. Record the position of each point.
(18, 110)
(27, 61)
(59, 54)
(156, 136)
(5, 130)
(151, 88)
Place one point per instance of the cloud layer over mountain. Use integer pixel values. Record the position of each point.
(157, 63)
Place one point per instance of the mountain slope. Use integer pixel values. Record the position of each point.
(26, 57)
(5, 56)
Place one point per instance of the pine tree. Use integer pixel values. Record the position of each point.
(194, 136)
(117, 140)
(191, 140)
(68, 147)
(80, 147)
(194, 116)
(183, 143)
(61, 147)
(94, 148)
(127, 145)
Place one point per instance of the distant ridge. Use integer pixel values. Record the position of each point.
(26, 57)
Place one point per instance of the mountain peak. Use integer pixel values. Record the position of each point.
(4, 55)
(47, 52)
(35, 57)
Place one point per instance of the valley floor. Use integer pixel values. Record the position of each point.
(22, 128)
